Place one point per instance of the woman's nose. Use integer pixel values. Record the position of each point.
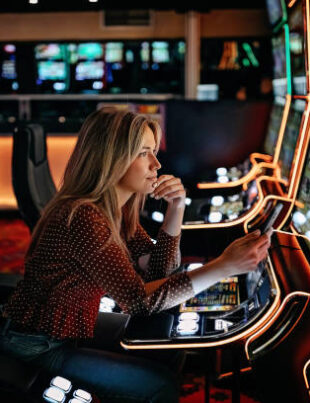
(156, 164)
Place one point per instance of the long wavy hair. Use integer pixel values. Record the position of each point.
(108, 142)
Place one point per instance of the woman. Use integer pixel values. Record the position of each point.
(89, 243)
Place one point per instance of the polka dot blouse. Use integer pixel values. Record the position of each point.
(72, 267)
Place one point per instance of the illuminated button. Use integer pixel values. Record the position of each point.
(233, 198)
(157, 216)
(193, 266)
(106, 304)
(232, 216)
(223, 179)
(97, 85)
(61, 383)
(221, 324)
(186, 327)
(217, 200)
(83, 395)
(54, 395)
(189, 316)
(188, 201)
(299, 218)
(221, 171)
(215, 217)
(75, 400)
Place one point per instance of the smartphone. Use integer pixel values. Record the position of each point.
(271, 219)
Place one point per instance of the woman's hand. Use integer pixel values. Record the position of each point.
(171, 189)
(244, 254)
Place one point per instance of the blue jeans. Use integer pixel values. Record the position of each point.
(114, 376)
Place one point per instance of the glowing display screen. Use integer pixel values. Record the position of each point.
(160, 52)
(50, 70)
(89, 70)
(90, 51)
(223, 296)
(52, 51)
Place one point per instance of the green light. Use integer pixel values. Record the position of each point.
(246, 62)
(247, 48)
(288, 59)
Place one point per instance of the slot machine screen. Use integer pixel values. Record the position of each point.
(297, 49)
(160, 52)
(50, 70)
(90, 70)
(273, 128)
(274, 11)
(222, 296)
(290, 138)
(114, 52)
(301, 215)
(8, 72)
(51, 51)
(279, 64)
(90, 51)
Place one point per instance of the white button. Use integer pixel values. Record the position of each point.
(61, 383)
(82, 394)
(54, 395)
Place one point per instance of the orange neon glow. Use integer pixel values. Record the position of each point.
(305, 374)
(274, 318)
(227, 374)
(58, 152)
(243, 335)
(291, 3)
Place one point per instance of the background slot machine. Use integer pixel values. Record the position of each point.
(89, 67)
(52, 68)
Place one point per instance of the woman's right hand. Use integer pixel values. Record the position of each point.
(244, 254)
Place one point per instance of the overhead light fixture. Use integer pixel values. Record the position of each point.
(33, 1)
(93, 1)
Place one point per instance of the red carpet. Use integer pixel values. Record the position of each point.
(14, 241)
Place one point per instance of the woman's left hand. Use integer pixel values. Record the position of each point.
(171, 189)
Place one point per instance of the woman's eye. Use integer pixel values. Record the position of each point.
(143, 154)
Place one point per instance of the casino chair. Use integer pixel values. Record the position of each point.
(33, 187)
(32, 181)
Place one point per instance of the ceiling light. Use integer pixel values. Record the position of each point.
(93, 1)
(33, 1)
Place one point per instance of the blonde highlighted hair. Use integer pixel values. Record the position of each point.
(108, 142)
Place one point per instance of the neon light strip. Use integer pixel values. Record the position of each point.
(292, 2)
(288, 59)
(305, 375)
(282, 128)
(275, 317)
(270, 313)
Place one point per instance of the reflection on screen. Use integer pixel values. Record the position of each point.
(279, 57)
(89, 70)
(290, 138)
(273, 129)
(222, 296)
(50, 70)
(274, 11)
(297, 50)
(301, 216)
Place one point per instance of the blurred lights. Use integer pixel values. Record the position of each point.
(33, 1)
(217, 201)
(221, 171)
(215, 217)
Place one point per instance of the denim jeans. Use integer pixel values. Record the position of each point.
(114, 376)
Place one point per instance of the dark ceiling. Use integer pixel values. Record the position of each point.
(22, 6)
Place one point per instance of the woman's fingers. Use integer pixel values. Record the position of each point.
(168, 186)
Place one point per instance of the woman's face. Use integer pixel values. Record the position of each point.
(142, 173)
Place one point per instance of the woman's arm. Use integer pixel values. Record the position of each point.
(241, 256)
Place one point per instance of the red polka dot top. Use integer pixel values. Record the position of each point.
(73, 266)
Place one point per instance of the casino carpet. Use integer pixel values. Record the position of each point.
(14, 241)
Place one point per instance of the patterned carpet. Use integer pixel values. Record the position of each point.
(14, 241)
